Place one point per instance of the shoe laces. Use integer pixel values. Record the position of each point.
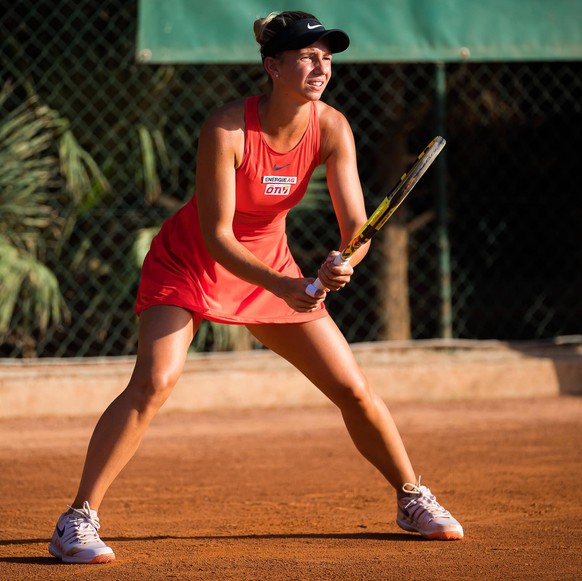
(422, 496)
(82, 525)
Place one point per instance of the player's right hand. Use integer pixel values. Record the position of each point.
(292, 291)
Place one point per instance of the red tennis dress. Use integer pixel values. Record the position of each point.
(179, 271)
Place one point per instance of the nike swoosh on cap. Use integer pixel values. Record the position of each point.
(312, 26)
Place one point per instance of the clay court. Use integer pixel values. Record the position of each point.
(282, 494)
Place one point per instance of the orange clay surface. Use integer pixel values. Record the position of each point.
(282, 494)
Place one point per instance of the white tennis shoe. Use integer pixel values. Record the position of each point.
(76, 538)
(419, 512)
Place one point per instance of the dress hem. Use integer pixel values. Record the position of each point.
(220, 318)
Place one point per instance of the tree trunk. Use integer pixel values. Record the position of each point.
(393, 295)
(393, 283)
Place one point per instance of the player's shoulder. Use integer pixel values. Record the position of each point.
(229, 117)
(330, 117)
(334, 131)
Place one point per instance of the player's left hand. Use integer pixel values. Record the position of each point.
(334, 277)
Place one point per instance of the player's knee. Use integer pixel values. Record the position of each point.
(355, 396)
(151, 391)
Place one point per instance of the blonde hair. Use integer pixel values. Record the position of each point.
(267, 28)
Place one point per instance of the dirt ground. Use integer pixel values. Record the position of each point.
(282, 494)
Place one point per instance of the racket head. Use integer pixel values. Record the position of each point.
(409, 180)
(398, 194)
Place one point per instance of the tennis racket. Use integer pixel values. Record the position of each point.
(386, 208)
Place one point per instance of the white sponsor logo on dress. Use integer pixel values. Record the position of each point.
(279, 179)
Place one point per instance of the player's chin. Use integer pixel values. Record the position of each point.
(314, 91)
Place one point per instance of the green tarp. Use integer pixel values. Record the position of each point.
(220, 31)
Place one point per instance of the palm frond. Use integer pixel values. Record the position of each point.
(27, 172)
(150, 172)
(142, 243)
(29, 285)
(40, 161)
(83, 177)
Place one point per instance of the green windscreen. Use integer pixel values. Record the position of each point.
(220, 31)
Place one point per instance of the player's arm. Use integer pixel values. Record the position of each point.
(339, 154)
(219, 150)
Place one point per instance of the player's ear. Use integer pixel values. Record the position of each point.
(271, 66)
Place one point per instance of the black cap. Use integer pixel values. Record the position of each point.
(304, 33)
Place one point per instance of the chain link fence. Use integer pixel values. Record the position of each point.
(489, 245)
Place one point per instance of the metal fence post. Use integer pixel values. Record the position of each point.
(444, 265)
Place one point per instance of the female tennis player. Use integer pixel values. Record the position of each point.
(224, 257)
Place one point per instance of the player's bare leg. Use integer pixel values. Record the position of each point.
(321, 353)
(164, 336)
(319, 350)
(165, 333)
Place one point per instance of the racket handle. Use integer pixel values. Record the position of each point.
(313, 288)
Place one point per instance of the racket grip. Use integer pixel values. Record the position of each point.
(313, 288)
